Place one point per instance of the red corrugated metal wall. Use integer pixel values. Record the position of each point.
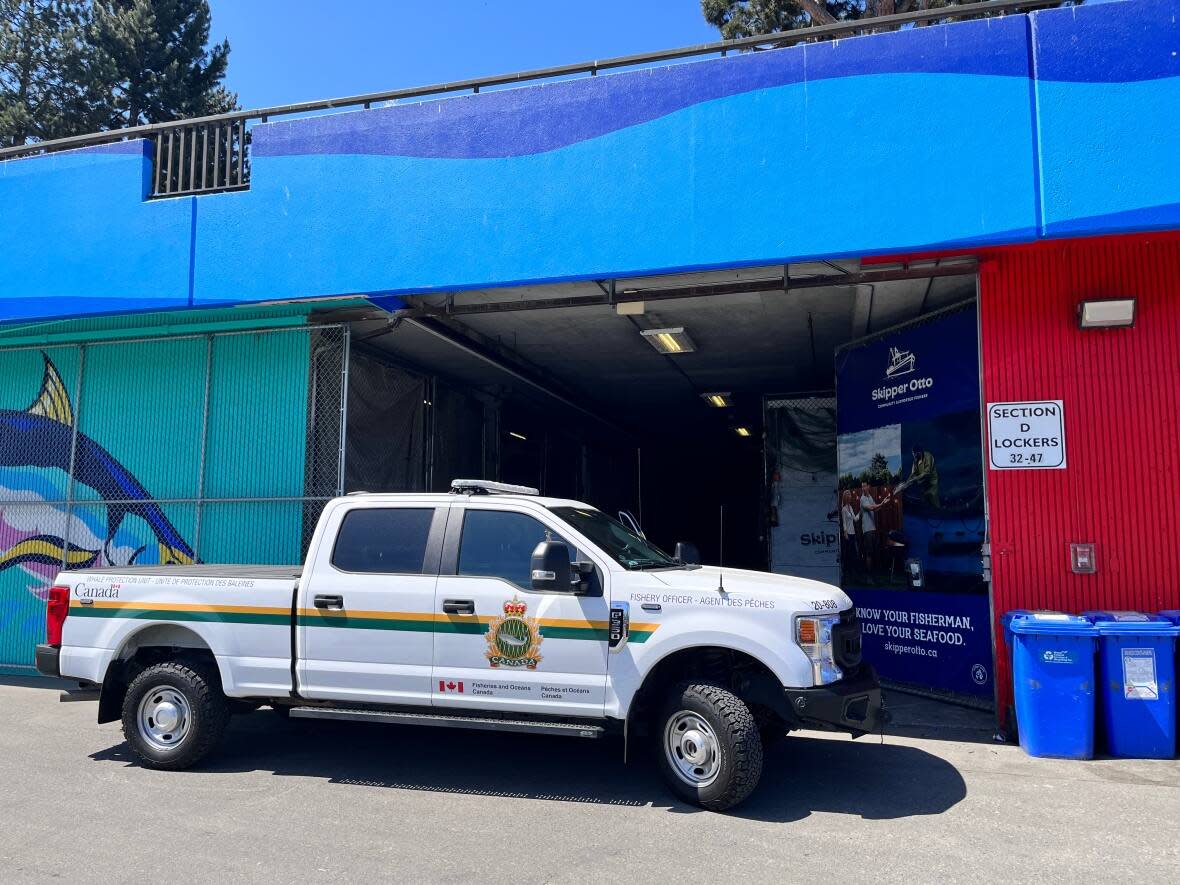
(1121, 393)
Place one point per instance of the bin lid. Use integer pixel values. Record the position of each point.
(1173, 615)
(1120, 616)
(1053, 624)
(1127, 623)
(1009, 616)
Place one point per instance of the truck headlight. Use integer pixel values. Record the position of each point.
(814, 635)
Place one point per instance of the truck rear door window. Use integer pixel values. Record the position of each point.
(386, 541)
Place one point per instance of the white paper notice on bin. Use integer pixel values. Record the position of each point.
(1139, 682)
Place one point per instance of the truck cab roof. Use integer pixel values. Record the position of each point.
(478, 489)
(442, 499)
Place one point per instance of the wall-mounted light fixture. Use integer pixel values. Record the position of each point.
(515, 435)
(1106, 313)
(742, 431)
(718, 400)
(669, 340)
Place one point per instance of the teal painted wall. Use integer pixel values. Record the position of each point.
(151, 468)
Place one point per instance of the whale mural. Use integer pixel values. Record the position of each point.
(42, 456)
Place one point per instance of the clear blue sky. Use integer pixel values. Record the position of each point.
(297, 50)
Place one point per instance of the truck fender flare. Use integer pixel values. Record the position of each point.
(119, 675)
(788, 672)
(690, 641)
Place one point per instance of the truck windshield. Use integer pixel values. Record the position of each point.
(615, 539)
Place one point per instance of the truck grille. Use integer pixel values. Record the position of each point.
(846, 640)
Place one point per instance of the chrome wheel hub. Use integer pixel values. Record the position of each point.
(163, 718)
(692, 749)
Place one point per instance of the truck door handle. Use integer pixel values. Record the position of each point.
(329, 602)
(459, 606)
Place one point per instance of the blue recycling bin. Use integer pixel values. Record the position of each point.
(1006, 620)
(1174, 616)
(1137, 672)
(1053, 678)
(1015, 614)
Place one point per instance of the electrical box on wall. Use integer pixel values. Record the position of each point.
(1083, 559)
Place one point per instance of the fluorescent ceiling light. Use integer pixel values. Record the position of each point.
(669, 340)
(513, 433)
(1107, 313)
(717, 400)
(742, 431)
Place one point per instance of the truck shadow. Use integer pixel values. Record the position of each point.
(800, 776)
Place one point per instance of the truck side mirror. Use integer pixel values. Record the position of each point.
(686, 553)
(551, 571)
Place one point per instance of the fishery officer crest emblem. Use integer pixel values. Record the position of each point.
(513, 639)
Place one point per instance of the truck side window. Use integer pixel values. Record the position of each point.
(387, 541)
(499, 544)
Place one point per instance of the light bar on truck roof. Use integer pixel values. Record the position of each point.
(487, 487)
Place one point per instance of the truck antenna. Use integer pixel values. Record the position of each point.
(721, 552)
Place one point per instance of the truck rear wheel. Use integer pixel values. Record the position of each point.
(710, 750)
(173, 714)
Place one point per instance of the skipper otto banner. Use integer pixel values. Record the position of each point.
(911, 516)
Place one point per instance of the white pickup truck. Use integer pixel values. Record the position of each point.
(490, 607)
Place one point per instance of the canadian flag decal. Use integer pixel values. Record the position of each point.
(445, 686)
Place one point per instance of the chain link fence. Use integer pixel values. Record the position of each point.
(193, 448)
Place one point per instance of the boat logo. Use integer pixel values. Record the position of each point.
(901, 362)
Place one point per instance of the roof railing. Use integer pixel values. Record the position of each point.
(211, 154)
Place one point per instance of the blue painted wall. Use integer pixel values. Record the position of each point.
(985, 132)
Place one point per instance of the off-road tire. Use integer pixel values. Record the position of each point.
(209, 713)
(737, 735)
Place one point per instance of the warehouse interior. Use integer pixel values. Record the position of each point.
(642, 395)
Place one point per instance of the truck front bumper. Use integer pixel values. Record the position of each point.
(853, 704)
(48, 660)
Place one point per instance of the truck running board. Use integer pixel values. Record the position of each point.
(397, 718)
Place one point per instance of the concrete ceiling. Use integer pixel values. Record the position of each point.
(748, 344)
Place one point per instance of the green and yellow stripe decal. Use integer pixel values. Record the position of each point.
(417, 622)
(169, 611)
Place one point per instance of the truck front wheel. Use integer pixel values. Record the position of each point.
(173, 714)
(710, 750)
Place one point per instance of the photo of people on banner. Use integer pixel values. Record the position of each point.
(911, 501)
(895, 506)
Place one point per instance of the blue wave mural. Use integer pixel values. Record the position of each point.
(975, 133)
(520, 121)
(709, 183)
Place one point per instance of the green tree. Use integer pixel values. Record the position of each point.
(39, 41)
(149, 63)
(747, 18)
(878, 472)
(73, 66)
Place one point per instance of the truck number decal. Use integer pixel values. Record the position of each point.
(825, 605)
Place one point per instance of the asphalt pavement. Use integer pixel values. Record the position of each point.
(303, 801)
